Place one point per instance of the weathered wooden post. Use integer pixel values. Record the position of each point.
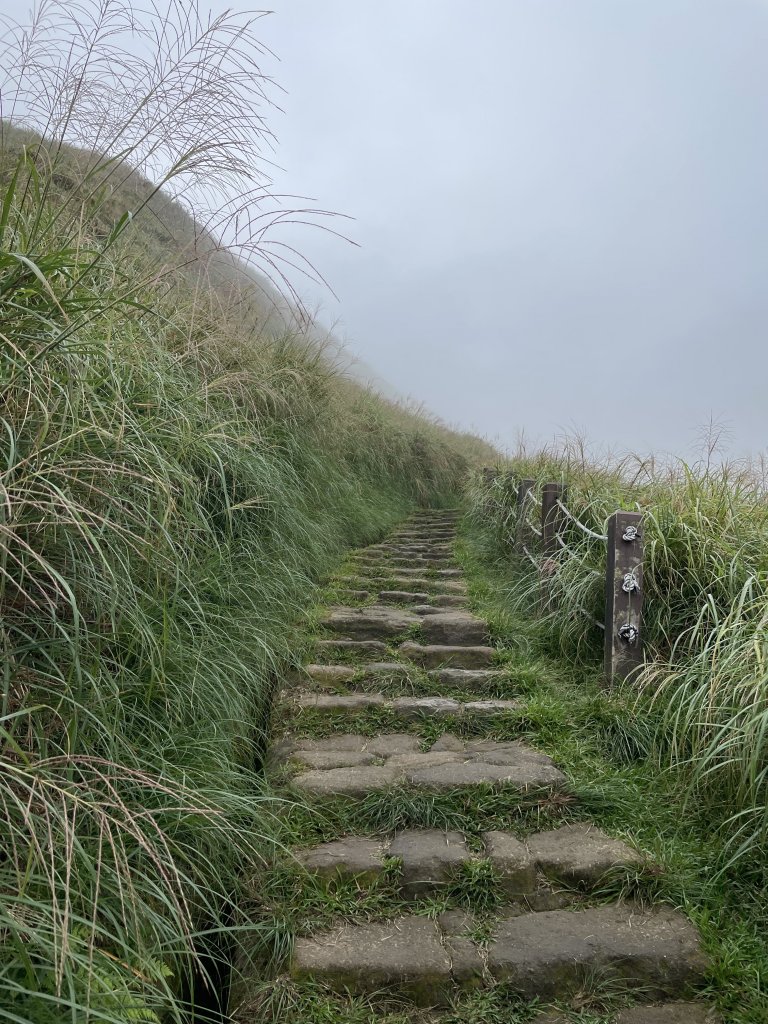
(523, 535)
(623, 596)
(552, 518)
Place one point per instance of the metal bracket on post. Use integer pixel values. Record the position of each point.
(522, 534)
(624, 596)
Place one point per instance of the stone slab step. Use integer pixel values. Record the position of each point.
(477, 762)
(425, 561)
(429, 857)
(374, 622)
(409, 547)
(408, 709)
(421, 550)
(355, 858)
(442, 536)
(553, 954)
(341, 675)
(330, 675)
(467, 678)
(547, 955)
(403, 597)
(406, 954)
(371, 650)
(399, 570)
(454, 629)
(421, 584)
(449, 600)
(435, 656)
(670, 1013)
(580, 854)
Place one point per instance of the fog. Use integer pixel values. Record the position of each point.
(561, 206)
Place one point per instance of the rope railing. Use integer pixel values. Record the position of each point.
(623, 567)
(590, 616)
(576, 522)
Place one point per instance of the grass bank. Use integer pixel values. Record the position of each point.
(179, 472)
(676, 758)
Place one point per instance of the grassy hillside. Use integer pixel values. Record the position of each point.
(176, 481)
(701, 704)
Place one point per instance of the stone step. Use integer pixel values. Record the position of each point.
(454, 629)
(467, 678)
(373, 622)
(403, 597)
(406, 954)
(552, 954)
(430, 857)
(354, 595)
(670, 1013)
(512, 765)
(453, 588)
(436, 549)
(432, 537)
(330, 675)
(371, 650)
(479, 680)
(403, 571)
(407, 709)
(409, 547)
(435, 656)
(658, 1013)
(427, 561)
(341, 675)
(580, 854)
(449, 600)
(444, 628)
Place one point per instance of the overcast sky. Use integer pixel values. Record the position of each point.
(561, 205)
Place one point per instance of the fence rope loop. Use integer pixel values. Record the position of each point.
(630, 583)
(629, 633)
(631, 533)
(585, 529)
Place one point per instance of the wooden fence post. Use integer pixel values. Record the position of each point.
(552, 518)
(623, 596)
(522, 535)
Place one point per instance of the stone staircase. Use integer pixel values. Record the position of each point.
(406, 695)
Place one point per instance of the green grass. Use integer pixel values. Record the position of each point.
(606, 743)
(704, 621)
(180, 472)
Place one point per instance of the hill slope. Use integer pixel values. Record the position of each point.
(179, 474)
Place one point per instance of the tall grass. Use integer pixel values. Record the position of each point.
(705, 683)
(175, 482)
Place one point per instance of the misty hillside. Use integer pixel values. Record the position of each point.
(170, 241)
(184, 462)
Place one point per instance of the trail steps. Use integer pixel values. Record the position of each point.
(407, 658)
